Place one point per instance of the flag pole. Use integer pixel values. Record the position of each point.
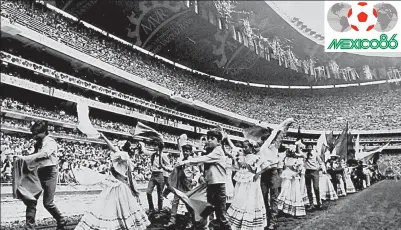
(346, 136)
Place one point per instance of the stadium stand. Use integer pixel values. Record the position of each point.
(371, 107)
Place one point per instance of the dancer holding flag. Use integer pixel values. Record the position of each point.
(157, 158)
(183, 178)
(313, 164)
(118, 206)
(44, 161)
(290, 200)
(247, 213)
(215, 176)
(269, 176)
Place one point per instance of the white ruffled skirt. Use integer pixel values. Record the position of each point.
(326, 188)
(229, 187)
(350, 184)
(340, 186)
(116, 208)
(247, 210)
(291, 200)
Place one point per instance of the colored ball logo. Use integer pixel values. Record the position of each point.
(363, 16)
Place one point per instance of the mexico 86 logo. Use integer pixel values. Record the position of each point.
(362, 17)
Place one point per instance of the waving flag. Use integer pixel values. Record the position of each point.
(85, 125)
(341, 145)
(321, 145)
(255, 133)
(142, 130)
(195, 200)
(366, 156)
(330, 141)
(357, 148)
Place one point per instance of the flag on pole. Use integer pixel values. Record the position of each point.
(341, 145)
(357, 150)
(322, 145)
(255, 133)
(84, 123)
(142, 130)
(368, 155)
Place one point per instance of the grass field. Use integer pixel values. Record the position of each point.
(375, 208)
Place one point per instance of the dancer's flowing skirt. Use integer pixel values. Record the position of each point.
(290, 199)
(326, 188)
(340, 187)
(304, 191)
(116, 208)
(350, 184)
(247, 210)
(229, 187)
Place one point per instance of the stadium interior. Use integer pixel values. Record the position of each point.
(124, 83)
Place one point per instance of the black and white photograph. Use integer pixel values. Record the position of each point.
(200, 115)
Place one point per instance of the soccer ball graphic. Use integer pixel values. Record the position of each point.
(362, 17)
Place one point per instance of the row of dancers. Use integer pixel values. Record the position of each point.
(246, 186)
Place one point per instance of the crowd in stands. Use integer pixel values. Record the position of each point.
(71, 154)
(97, 85)
(60, 115)
(363, 108)
(367, 108)
(391, 165)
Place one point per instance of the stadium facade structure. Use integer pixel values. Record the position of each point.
(232, 121)
(250, 39)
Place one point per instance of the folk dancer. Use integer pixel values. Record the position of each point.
(157, 156)
(269, 175)
(118, 205)
(313, 164)
(215, 177)
(290, 199)
(188, 177)
(45, 160)
(247, 210)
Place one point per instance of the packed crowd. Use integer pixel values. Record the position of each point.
(72, 155)
(365, 108)
(68, 117)
(390, 164)
(105, 87)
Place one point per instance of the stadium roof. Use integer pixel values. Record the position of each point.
(188, 38)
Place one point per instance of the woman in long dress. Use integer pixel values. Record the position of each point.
(118, 206)
(327, 191)
(247, 210)
(340, 180)
(348, 180)
(290, 199)
(229, 181)
(234, 151)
